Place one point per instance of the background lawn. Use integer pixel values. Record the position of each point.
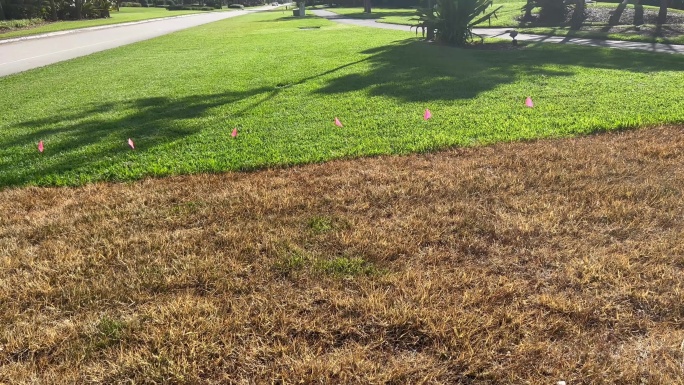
(509, 15)
(125, 15)
(670, 33)
(627, 34)
(506, 16)
(282, 86)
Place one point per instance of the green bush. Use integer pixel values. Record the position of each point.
(213, 3)
(237, 6)
(131, 4)
(454, 19)
(20, 23)
(253, 3)
(551, 12)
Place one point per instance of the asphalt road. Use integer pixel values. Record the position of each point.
(25, 54)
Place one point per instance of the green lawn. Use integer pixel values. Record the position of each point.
(179, 97)
(509, 14)
(505, 16)
(646, 33)
(125, 15)
(624, 36)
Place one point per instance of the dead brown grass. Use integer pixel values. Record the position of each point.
(511, 264)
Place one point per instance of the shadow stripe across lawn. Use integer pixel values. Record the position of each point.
(179, 97)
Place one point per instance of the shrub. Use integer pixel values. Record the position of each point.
(131, 4)
(237, 6)
(551, 12)
(20, 23)
(454, 20)
(144, 3)
(213, 3)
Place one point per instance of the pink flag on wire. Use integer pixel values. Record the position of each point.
(130, 143)
(528, 102)
(40, 146)
(337, 122)
(234, 133)
(427, 115)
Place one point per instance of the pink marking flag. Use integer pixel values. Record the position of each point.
(234, 133)
(528, 102)
(427, 115)
(337, 122)
(130, 143)
(40, 146)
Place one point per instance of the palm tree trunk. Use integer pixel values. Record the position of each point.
(430, 35)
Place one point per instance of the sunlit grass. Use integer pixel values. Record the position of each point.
(506, 16)
(180, 96)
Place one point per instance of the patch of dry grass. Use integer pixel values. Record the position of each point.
(517, 263)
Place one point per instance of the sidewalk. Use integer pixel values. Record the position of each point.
(503, 33)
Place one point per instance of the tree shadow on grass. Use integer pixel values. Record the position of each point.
(94, 137)
(91, 137)
(416, 71)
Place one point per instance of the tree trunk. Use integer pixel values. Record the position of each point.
(2, 12)
(366, 6)
(528, 12)
(578, 15)
(617, 14)
(662, 14)
(638, 13)
(79, 9)
(430, 35)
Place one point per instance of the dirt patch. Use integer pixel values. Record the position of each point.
(518, 263)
